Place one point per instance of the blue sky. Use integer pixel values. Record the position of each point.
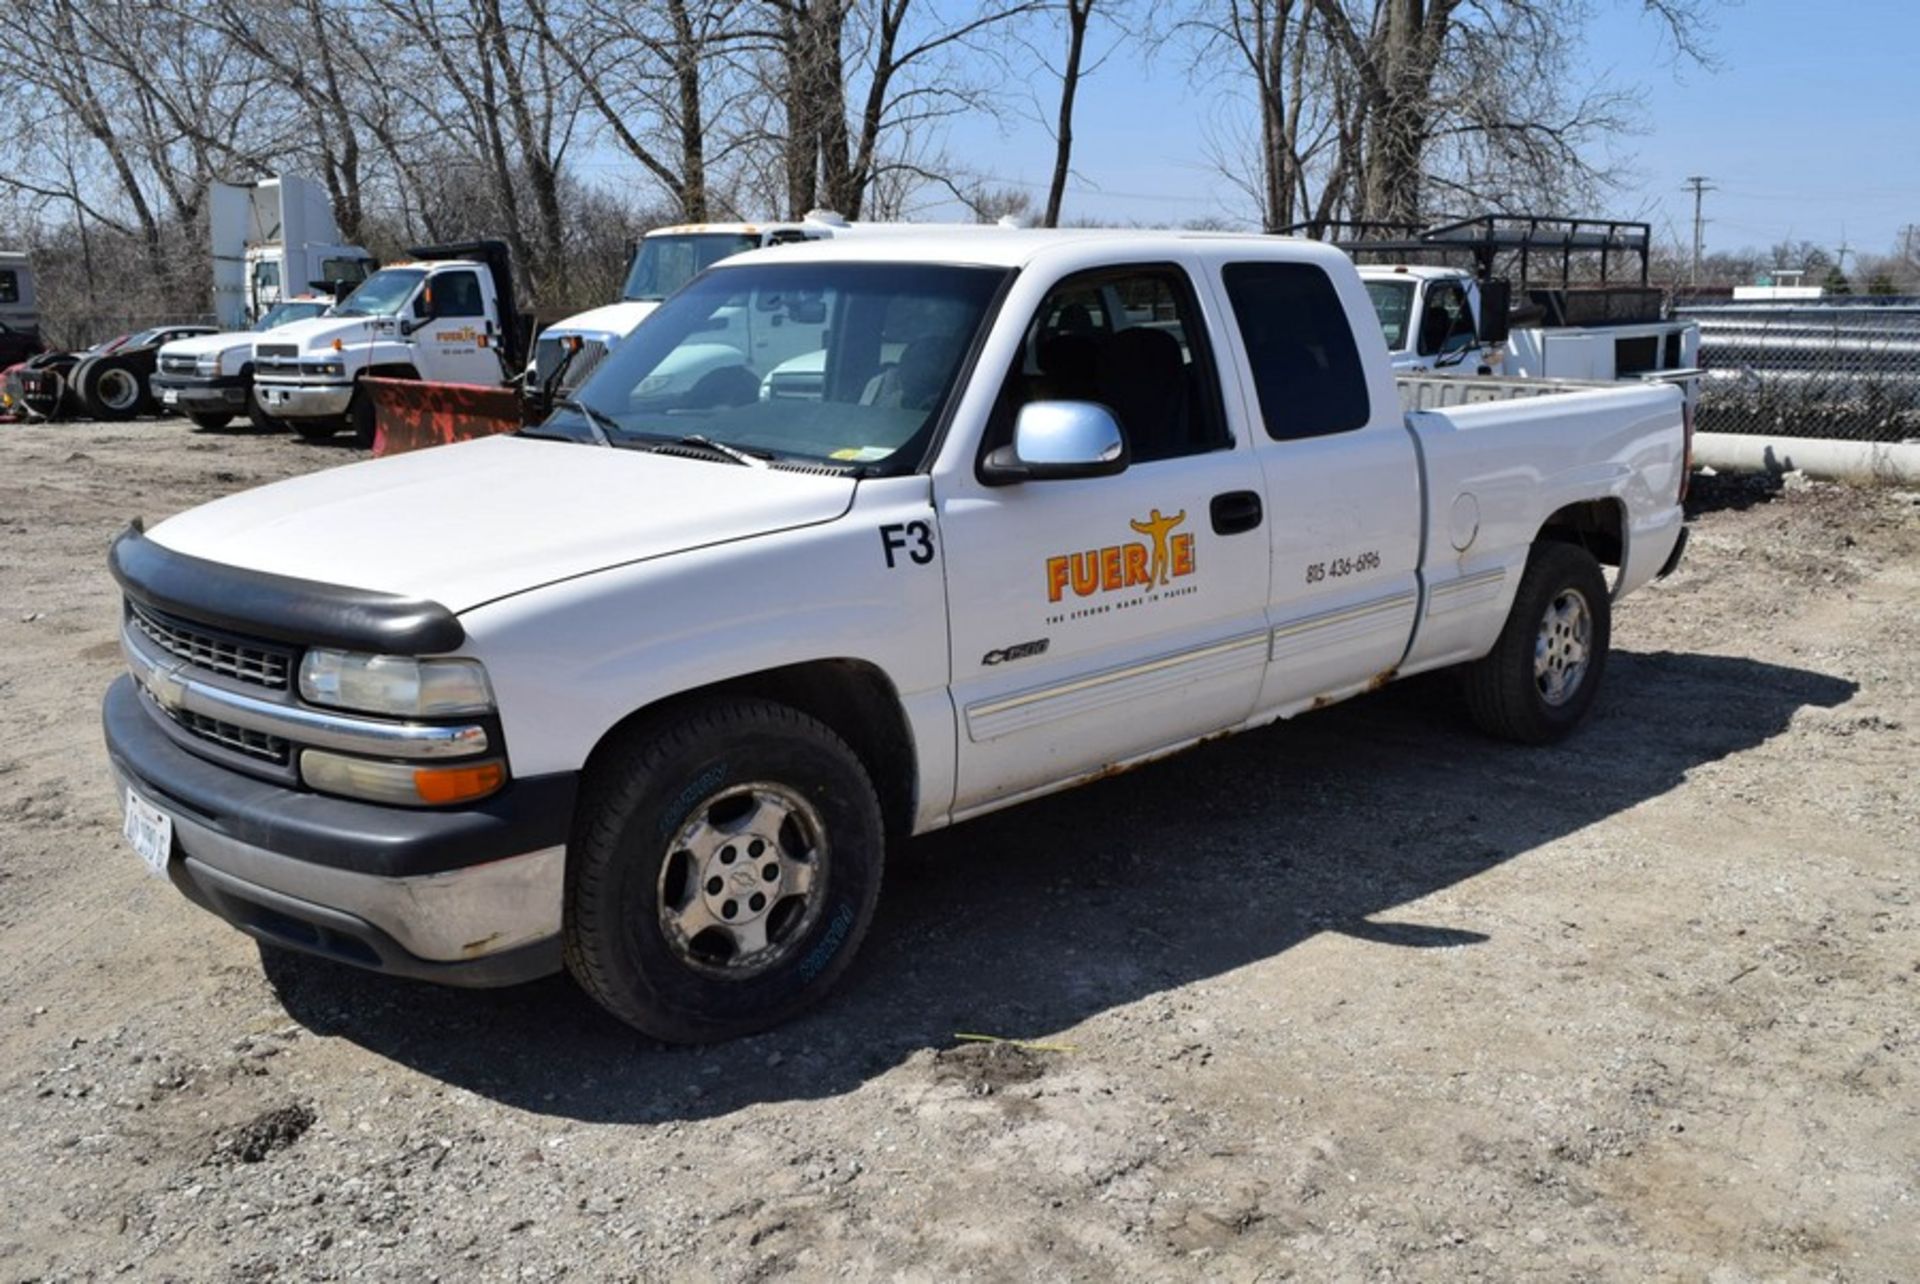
(1809, 127)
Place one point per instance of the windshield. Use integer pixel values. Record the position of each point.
(844, 363)
(383, 294)
(1393, 304)
(287, 313)
(665, 263)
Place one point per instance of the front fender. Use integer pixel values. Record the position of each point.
(571, 660)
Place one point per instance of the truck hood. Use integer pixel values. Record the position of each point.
(202, 345)
(466, 524)
(615, 320)
(318, 333)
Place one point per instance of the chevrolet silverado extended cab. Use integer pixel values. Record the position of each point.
(648, 690)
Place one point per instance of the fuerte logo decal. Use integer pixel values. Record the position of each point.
(1141, 570)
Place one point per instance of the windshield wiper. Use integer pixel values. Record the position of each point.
(737, 455)
(597, 420)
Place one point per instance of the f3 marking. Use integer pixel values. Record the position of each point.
(914, 538)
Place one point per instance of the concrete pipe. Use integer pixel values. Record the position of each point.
(1816, 457)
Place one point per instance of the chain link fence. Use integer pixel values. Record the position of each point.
(1842, 369)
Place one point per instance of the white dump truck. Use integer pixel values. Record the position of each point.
(446, 316)
(648, 691)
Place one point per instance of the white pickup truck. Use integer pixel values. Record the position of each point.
(651, 688)
(1434, 318)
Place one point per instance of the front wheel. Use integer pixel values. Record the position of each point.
(209, 422)
(725, 866)
(360, 418)
(316, 429)
(1544, 671)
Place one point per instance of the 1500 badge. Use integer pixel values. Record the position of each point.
(1018, 651)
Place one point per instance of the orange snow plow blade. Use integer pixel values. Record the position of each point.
(411, 415)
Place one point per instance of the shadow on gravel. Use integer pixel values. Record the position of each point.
(1027, 922)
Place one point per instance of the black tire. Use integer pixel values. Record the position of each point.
(261, 420)
(316, 429)
(109, 389)
(672, 782)
(360, 419)
(1507, 694)
(209, 422)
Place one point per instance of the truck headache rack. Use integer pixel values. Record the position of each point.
(1536, 251)
(1485, 237)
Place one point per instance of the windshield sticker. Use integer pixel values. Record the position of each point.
(1151, 568)
(861, 454)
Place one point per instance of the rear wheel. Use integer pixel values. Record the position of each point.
(725, 867)
(1544, 671)
(108, 390)
(210, 422)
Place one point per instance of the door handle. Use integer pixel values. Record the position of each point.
(1235, 512)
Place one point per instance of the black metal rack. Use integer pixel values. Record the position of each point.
(1485, 237)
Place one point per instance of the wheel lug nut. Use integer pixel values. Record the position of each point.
(770, 871)
(755, 847)
(729, 909)
(726, 855)
(756, 902)
(714, 885)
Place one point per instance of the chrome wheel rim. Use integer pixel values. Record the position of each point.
(743, 880)
(117, 390)
(1564, 647)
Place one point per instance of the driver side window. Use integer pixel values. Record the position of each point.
(1129, 339)
(456, 294)
(1447, 324)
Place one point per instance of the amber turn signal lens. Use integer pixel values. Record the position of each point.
(443, 785)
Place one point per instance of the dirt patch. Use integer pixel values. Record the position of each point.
(265, 1133)
(1362, 996)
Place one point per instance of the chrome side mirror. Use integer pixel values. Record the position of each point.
(1054, 440)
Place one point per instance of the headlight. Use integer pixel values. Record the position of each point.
(208, 365)
(395, 684)
(330, 368)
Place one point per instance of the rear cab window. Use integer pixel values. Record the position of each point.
(1299, 341)
(9, 286)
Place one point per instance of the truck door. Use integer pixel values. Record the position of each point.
(454, 345)
(1341, 484)
(1096, 619)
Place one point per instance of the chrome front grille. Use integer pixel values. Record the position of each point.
(276, 350)
(548, 353)
(254, 744)
(177, 365)
(247, 662)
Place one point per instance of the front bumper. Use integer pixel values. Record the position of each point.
(303, 400)
(196, 395)
(466, 897)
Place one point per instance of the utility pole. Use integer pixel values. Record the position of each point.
(1699, 186)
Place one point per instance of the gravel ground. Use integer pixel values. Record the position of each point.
(1360, 997)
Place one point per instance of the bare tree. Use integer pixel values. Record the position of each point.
(1078, 13)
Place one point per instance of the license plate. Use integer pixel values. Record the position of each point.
(170, 396)
(149, 831)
